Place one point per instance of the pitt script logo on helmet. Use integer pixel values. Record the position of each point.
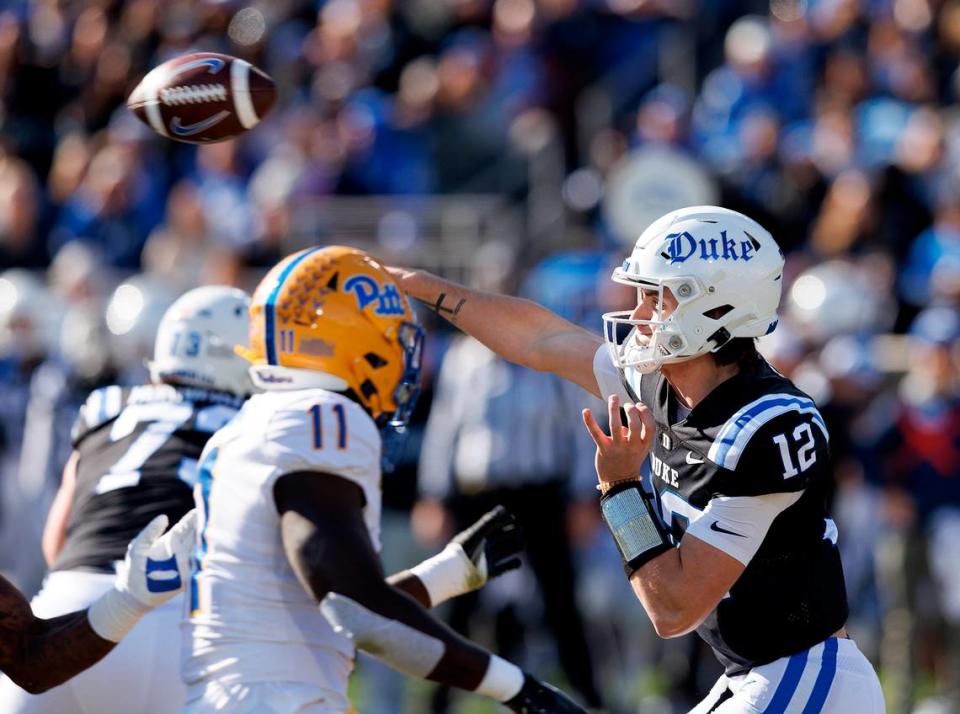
(333, 318)
(723, 269)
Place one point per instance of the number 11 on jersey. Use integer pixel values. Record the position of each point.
(316, 411)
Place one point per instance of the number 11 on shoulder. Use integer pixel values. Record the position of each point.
(316, 411)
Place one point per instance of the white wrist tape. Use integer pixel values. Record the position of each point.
(114, 614)
(448, 574)
(398, 645)
(503, 680)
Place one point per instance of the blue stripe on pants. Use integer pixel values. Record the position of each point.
(828, 670)
(788, 684)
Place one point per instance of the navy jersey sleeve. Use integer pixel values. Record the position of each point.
(103, 405)
(779, 446)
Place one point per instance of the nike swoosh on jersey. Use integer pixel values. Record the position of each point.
(691, 459)
(716, 527)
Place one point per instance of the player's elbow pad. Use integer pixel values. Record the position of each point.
(398, 645)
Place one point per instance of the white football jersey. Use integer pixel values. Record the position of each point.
(249, 617)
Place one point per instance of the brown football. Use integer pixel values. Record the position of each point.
(203, 97)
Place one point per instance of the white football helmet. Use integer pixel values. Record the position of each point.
(839, 297)
(714, 261)
(196, 338)
(29, 315)
(133, 314)
(84, 343)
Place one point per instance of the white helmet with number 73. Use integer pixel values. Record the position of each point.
(725, 272)
(196, 340)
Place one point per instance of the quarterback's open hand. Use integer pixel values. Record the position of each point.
(492, 544)
(621, 454)
(538, 697)
(157, 565)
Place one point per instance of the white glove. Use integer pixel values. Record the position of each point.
(486, 549)
(156, 568)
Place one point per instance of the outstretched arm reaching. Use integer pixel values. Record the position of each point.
(329, 548)
(39, 654)
(518, 330)
(488, 548)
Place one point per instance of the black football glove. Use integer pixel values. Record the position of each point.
(536, 697)
(493, 543)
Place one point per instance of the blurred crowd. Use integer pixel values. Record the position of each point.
(832, 122)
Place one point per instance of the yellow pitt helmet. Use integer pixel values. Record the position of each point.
(334, 318)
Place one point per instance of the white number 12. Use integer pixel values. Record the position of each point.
(806, 456)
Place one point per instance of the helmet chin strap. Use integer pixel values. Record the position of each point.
(719, 338)
(625, 383)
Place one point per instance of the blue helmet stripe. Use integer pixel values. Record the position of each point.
(271, 302)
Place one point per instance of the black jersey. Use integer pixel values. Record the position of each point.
(138, 450)
(755, 434)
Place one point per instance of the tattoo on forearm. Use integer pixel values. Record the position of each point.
(39, 654)
(446, 311)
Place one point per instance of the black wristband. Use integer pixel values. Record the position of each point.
(638, 533)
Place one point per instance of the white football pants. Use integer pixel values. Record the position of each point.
(830, 678)
(141, 675)
(262, 698)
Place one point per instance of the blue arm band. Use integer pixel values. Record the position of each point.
(637, 531)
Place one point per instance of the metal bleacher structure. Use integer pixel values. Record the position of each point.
(449, 233)
(444, 234)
